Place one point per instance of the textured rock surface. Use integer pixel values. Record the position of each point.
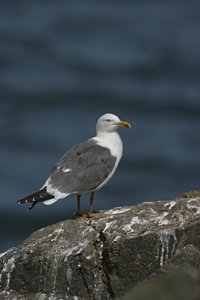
(103, 257)
(178, 284)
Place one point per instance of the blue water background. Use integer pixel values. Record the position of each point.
(65, 63)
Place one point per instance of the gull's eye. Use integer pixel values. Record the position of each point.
(107, 120)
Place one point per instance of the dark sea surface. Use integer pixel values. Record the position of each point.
(65, 63)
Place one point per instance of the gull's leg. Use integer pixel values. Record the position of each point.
(91, 202)
(79, 211)
(90, 213)
(79, 207)
(84, 213)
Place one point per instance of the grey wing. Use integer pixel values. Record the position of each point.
(83, 168)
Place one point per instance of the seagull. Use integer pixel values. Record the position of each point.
(86, 167)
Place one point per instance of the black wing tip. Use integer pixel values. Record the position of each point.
(25, 201)
(32, 205)
(22, 201)
(39, 196)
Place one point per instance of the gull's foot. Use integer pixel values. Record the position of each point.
(86, 214)
(93, 214)
(82, 213)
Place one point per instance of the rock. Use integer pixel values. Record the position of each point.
(175, 280)
(103, 257)
(179, 284)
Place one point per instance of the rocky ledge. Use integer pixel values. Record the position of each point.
(105, 256)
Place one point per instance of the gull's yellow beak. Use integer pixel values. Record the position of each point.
(124, 124)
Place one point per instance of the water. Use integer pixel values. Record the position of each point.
(63, 65)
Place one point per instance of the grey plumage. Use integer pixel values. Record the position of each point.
(82, 160)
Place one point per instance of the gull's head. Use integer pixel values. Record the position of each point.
(110, 123)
